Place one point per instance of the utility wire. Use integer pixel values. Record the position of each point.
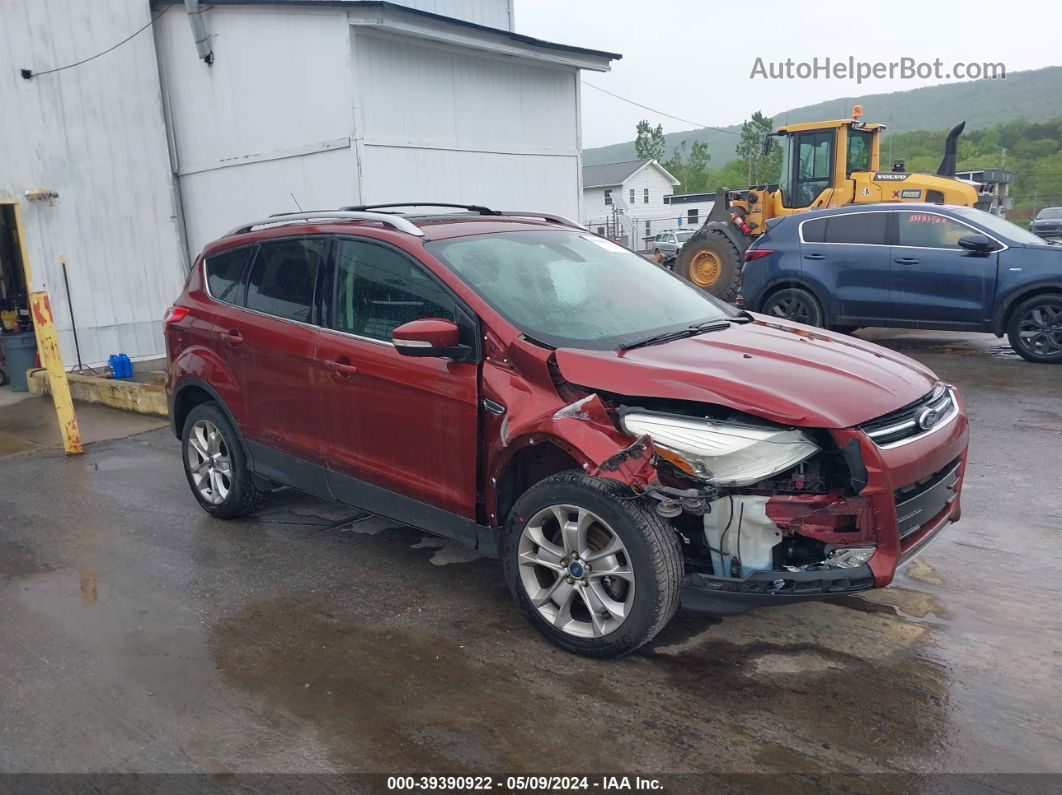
(28, 74)
(654, 110)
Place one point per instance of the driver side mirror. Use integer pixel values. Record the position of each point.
(428, 337)
(767, 141)
(977, 243)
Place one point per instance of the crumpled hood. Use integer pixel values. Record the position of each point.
(785, 372)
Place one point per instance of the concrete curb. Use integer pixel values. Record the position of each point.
(125, 395)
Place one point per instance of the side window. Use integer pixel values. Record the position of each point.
(814, 231)
(378, 289)
(859, 143)
(282, 278)
(608, 197)
(632, 196)
(645, 196)
(928, 230)
(855, 228)
(224, 272)
(691, 217)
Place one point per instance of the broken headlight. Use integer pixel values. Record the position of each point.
(721, 453)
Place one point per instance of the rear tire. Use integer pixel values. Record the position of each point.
(709, 260)
(215, 464)
(795, 304)
(549, 564)
(1035, 329)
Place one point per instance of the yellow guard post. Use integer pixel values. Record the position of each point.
(52, 359)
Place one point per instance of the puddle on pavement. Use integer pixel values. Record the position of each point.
(391, 698)
(811, 678)
(18, 560)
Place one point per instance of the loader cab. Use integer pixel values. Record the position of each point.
(819, 159)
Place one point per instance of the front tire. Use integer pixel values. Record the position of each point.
(795, 304)
(593, 567)
(1035, 329)
(711, 261)
(215, 464)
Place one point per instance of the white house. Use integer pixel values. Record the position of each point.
(152, 151)
(626, 200)
(689, 210)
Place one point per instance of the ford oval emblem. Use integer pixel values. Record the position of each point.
(927, 419)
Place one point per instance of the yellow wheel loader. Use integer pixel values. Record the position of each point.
(824, 164)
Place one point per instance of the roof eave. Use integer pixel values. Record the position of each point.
(401, 20)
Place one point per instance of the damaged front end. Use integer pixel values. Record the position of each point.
(767, 514)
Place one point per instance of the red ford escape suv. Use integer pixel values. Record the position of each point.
(622, 441)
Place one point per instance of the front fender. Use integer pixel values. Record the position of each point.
(1016, 294)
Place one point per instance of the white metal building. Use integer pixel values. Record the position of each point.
(311, 103)
(626, 200)
(689, 210)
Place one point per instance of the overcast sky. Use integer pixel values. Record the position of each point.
(693, 58)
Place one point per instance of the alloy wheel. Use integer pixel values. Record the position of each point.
(209, 462)
(791, 307)
(1040, 329)
(576, 571)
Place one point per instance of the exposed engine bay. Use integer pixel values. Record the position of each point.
(747, 495)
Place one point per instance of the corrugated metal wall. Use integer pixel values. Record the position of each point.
(449, 124)
(95, 134)
(271, 119)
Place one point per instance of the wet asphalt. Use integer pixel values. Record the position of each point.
(139, 634)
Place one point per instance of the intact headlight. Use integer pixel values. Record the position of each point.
(722, 453)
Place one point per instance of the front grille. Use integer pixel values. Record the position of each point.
(913, 421)
(919, 502)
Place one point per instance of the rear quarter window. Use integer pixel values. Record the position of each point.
(224, 271)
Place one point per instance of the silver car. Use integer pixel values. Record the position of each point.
(671, 242)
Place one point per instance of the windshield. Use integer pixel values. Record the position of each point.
(571, 289)
(996, 225)
(1050, 212)
(684, 236)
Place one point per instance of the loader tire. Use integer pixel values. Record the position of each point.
(710, 261)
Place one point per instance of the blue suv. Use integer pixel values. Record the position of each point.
(911, 266)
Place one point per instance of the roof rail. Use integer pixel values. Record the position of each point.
(394, 221)
(556, 219)
(475, 208)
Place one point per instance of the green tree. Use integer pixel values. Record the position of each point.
(749, 150)
(697, 167)
(649, 141)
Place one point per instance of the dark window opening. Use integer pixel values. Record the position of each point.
(224, 273)
(282, 278)
(378, 289)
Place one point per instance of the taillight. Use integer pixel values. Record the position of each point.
(175, 314)
(757, 253)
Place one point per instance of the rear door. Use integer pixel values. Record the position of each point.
(276, 343)
(933, 280)
(848, 257)
(408, 425)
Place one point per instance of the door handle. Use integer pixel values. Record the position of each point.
(232, 337)
(814, 256)
(343, 368)
(906, 261)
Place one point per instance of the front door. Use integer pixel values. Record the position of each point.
(847, 254)
(403, 424)
(807, 168)
(933, 280)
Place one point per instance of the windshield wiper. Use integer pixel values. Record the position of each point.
(689, 331)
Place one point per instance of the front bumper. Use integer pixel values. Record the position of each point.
(912, 493)
(723, 596)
